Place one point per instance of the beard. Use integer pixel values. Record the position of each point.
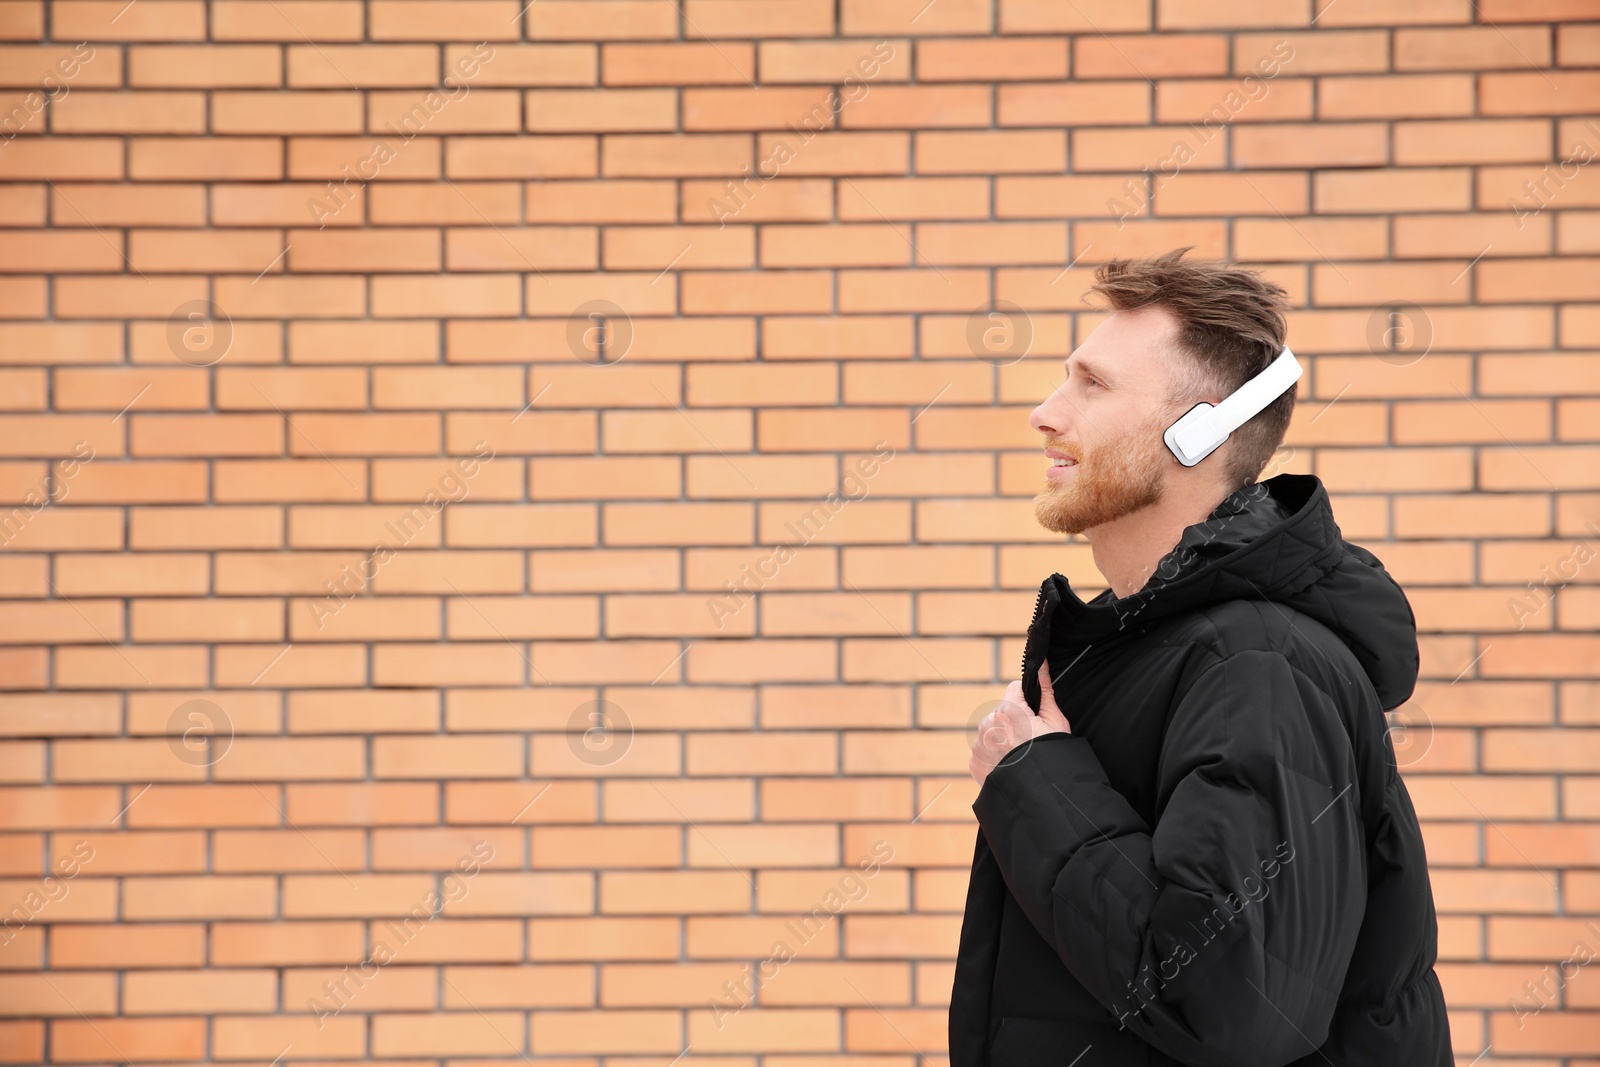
(1112, 479)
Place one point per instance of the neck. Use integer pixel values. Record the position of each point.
(1127, 549)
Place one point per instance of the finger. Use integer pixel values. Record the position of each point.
(1047, 689)
(1014, 715)
(992, 733)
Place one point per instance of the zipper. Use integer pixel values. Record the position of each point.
(1038, 609)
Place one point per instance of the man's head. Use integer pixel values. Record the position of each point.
(1178, 334)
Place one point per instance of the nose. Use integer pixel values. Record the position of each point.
(1050, 418)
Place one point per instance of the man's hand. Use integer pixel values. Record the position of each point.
(1012, 723)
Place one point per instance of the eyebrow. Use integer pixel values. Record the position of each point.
(1087, 368)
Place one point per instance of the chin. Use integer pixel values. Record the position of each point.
(1057, 510)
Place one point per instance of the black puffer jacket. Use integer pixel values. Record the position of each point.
(1220, 864)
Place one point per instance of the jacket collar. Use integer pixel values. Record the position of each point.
(1273, 541)
(1262, 542)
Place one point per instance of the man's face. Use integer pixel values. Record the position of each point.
(1109, 416)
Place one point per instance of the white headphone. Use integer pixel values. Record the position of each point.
(1203, 428)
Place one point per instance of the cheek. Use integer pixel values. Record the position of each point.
(1128, 421)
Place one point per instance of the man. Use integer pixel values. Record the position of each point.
(1194, 846)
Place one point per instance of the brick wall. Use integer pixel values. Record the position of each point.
(405, 403)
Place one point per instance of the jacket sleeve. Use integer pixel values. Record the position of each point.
(1221, 935)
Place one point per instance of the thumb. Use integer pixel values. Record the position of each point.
(1048, 708)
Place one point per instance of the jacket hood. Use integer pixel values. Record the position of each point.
(1274, 540)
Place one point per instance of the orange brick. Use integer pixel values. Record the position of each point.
(286, 944)
(101, 20)
(1043, 16)
(720, 937)
(62, 994)
(589, 939)
(23, 1040)
(1159, 56)
(76, 159)
(887, 890)
(23, 20)
(257, 1036)
(1029, 58)
(627, 63)
(677, 892)
(133, 945)
(801, 111)
(1538, 93)
(543, 985)
(880, 936)
(605, 846)
(686, 155)
(1213, 103)
(780, 18)
(80, 1040)
(855, 64)
(1109, 103)
(897, 106)
(430, 19)
(395, 987)
(207, 991)
(661, 985)
(214, 897)
(213, 66)
(574, 19)
(788, 799)
(296, 21)
(891, 1030)
(1325, 51)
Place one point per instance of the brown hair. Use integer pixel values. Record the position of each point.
(1231, 325)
